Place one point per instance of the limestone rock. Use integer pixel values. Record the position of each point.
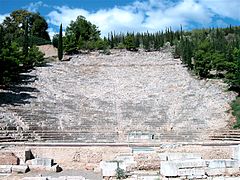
(5, 168)
(20, 168)
(42, 162)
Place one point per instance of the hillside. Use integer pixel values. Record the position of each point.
(110, 98)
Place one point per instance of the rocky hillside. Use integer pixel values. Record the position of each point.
(118, 96)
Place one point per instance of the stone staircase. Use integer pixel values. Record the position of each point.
(93, 137)
(226, 135)
(100, 98)
(15, 136)
(43, 126)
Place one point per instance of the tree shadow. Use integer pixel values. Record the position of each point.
(18, 93)
(25, 79)
(16, 99)
(45, 65)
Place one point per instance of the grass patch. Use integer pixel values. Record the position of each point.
(236, 111)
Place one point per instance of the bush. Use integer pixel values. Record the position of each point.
(130, 43)
(35, 56)
(90, 45)
(101, 44)
(121, 46)
(120, 173)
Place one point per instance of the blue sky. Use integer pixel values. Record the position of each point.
(131, 15)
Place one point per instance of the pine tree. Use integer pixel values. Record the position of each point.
(60, 44)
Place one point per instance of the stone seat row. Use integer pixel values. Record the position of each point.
(226, 135)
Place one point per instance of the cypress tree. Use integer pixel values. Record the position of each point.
(60, 44)
(26, 39)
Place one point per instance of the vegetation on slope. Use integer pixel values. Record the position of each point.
(236, 111)
(18, 51)
(214, 53)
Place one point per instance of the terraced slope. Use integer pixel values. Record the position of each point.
(120, 97)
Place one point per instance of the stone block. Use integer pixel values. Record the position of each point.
(171, 168)
(221, 171)
(108, 168)
(54, 168)
(190, 163)
(5, 168)
(137, 150)
(178, 156)
(20, 168)
(191, 172)
(128, 160)
(35, 178)
(236, 152)
(168, 168)
(42, 162)
(222, 163)
(8, 158)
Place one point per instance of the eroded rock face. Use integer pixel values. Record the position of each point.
(109, 96)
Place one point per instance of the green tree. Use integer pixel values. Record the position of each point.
(10, 59)
(60, 44)
(14, 26)
(26, 39)
(129, 42)
(233, 70)
(79, 32)
(55, 40)
(146, 41)
(101, 44)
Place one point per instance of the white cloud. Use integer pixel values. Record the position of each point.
(151, 15)
(34, 6)
(65, 15)
(52, 32)
(2, 17)
(225, 8)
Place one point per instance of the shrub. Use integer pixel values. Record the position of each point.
(120, 173)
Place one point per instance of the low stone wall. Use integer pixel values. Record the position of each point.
(177, 161)
(188, 165)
